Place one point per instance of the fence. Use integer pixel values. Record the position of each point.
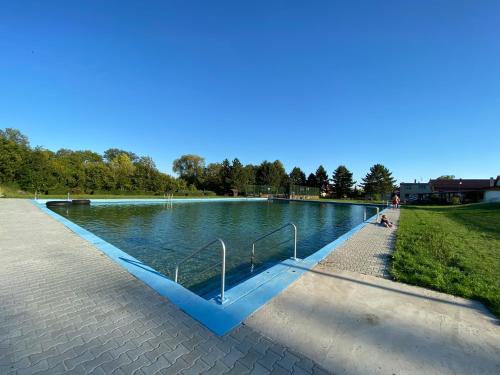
(292, 190)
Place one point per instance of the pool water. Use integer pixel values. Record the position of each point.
(160, 235)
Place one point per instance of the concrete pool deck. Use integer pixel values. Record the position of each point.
(353, 323)
(66, 308)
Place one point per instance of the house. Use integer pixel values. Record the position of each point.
(468, 190)
(414, 191)
(493, 193)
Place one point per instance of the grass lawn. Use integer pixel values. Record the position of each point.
(13, 192)
(452, 249)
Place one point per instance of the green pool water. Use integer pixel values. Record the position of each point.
(160, 235)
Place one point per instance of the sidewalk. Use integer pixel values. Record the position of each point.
(348, 317)
(367, 252)
(66, 308)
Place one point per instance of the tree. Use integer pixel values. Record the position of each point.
(15, 136)
(190, 169)
(37, 173)
(11, 159)
(146, 175)
(311, 180)
(212, 177)
(225, 176)
(111, 153)
(378, 181)
(272, 174)
(97, 177)
(321, 178)
(342, 182)
(446, 177)
(122, 169)
(238, 176)
(251, 172)
(297, 177)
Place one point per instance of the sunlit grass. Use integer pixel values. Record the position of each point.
(453, 249)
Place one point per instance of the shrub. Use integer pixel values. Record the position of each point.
(455, 200)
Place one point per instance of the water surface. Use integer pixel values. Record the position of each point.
(161, 235)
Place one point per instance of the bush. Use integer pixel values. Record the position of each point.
(455, 200)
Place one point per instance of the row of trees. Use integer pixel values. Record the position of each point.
(38, 169)
(226, 176)
(117, 171)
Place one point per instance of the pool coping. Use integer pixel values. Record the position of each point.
(242, 300)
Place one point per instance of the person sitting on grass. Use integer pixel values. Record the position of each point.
(385, 222)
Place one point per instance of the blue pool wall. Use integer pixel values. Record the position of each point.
(241, 300)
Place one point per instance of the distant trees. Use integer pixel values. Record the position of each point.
(446, 177)
(297, 177)
(271, 174)
(190, 168)
(119, 171)
(311, 180)
(15, 136)
(378, 181)
(321, 178)
(343, 182)
(38, 169)
(12, 156)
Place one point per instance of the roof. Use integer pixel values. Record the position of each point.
(414, 183)
(460, 185)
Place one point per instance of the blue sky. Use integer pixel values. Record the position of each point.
(414, 85)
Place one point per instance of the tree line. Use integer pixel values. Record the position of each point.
(119, 171)
(116, 171)
(234, 176)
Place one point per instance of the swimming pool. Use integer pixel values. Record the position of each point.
(160, 235)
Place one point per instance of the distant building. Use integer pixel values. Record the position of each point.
(468, 190)
(414, 191)
(493, 193)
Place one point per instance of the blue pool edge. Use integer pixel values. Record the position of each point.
(242, 300)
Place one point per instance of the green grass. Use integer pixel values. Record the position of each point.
(12, 191)
(452, 249)
(108, 196)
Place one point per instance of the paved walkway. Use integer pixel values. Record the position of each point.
(67, 308)
(367, 252)
(359, 324)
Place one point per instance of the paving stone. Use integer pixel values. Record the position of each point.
(269, 359)
(288, 361)
(75, 311)
(368, 252)
(278, 370)
(316, 370)
(258, 369)
(198, 367)
(177, 367)
(218, 368)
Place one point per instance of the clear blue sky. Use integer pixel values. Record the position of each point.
(414, 85)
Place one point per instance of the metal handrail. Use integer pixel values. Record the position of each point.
(223, 269)
(378, 214)
(274, 231)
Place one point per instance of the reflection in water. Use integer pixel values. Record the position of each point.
(161, 235)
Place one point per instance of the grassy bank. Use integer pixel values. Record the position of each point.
(11, 191)
(453, 249)
(108, 196)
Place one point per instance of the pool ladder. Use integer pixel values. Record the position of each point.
(223, 267)
(221, 298)
(252, 258)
